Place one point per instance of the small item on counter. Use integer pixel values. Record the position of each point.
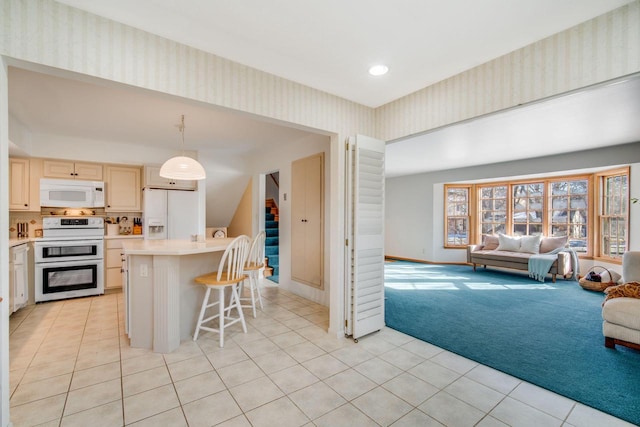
(125, 225)
(137, 226)
(23, 230)
(112, 229)
(38, 232)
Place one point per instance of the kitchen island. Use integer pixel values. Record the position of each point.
(162, 301)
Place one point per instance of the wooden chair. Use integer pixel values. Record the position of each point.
(230, 273)
(255, 262)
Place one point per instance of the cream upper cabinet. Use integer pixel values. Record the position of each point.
(123, 189)
(307, 220)
(35, 173)
(152, 179)
(19, 191)
(24, 184)
(72, 170)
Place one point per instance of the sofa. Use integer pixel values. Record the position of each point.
(514, 252)
(621, 315)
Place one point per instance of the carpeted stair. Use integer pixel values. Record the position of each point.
(271, 249)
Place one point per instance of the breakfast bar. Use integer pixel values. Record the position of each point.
(161, 299)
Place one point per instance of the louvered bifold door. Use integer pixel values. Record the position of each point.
(365, 236)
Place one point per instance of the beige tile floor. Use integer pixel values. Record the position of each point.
(71, 365)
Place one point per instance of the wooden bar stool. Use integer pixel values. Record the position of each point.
(230, 273)
(255, 262)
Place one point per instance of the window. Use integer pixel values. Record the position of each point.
(457, 216)
(555, 206)
(493, 210)
(528, 208)
(569, 214)
(613, 213)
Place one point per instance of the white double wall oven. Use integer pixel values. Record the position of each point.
(69, 259)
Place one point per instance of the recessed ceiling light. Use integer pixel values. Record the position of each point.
(378, 70)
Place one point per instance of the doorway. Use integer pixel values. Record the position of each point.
(272, 226)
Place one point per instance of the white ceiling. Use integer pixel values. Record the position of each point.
(330, 44)
(331, 52)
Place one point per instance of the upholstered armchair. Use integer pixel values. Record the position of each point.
(621, 316)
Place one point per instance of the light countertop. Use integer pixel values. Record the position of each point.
(15, 241)
(124, 236)
(173, 247)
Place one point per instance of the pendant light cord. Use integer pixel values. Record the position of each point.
(181, 127)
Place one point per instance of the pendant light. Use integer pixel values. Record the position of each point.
(182, 167)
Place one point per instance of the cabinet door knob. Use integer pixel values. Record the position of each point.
(25, 205)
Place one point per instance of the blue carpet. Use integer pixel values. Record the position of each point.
(548, 334)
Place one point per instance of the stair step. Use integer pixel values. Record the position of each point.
(272, 232)
(274, 260)
(271, 251)
(269, 217)
(270, 224)
(272, 241)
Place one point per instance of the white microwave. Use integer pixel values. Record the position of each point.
(68, 193)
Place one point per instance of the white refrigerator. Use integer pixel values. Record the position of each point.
(170, 214)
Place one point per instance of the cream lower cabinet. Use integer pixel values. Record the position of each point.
(18, 277)
(307, 220)
(123, 187)
(113, 263)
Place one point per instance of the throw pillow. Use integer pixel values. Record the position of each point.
(549, 244)
(490, 243)
(508, 243)
(530, 244)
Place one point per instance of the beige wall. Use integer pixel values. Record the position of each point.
(241, 223)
